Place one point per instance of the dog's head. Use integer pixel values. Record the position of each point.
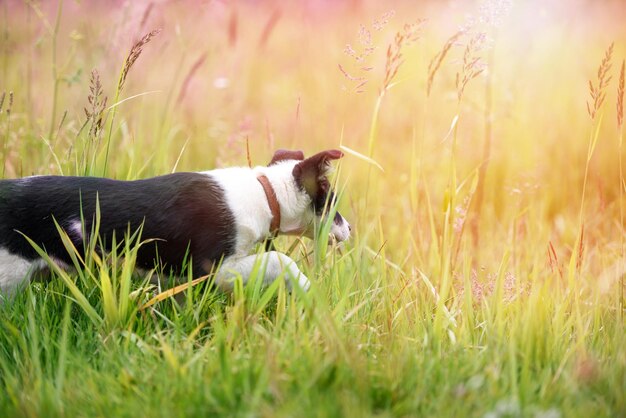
(310, 177)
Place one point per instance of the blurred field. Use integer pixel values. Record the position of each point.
(486, 274)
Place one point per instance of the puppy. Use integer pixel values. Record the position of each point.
(210, 218)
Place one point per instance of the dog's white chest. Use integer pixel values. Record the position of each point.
(246, 199)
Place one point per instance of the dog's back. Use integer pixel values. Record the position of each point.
(181, 211)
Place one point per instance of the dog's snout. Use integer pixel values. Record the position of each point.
(340, 229)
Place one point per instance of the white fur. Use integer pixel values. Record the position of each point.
(273, 264)
(340, 232)
(247, 203)
(76, 228)
(25, 181)
(15, 271)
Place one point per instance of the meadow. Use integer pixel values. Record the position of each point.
(483, 177)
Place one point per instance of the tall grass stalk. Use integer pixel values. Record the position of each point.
(55, 70)
(61, 371)
(486, 152)
(111, 118)
(598, 94)
(7, 135)
(409, 34)
(447, 240)
(111, 274)
(622, 182)
(470, 69)
(133, 55)
(576, 257)
(371, 139)
(5, 41)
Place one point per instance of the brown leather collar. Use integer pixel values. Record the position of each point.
(272, 201)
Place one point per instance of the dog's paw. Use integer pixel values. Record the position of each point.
(297, 278)
(303, 282)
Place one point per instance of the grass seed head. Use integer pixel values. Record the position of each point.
(437, 60)
(379, 24)
(361, 54)
(10, 102)
(134, 53)
(410, 33)
(493, 12)
(598, 91)
(97, 104)
(473, 64)
(365, 36)
(365, 48)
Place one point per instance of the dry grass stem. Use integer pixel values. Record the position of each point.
(553, 260)
(146, 15)
(597, 92)
(173, 292)
(233, 24)
(248, 159)
(581, 247)
(269, 28)
(192, 71)
(620, 97)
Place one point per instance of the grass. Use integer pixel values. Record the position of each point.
(465, 291)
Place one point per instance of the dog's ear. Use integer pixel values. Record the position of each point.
(285, 154)
(310, 173)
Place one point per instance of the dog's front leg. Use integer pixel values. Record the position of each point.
(273, 264)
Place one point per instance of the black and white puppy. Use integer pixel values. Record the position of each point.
(210, 217)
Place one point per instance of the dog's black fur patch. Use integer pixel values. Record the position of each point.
(185, 212)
